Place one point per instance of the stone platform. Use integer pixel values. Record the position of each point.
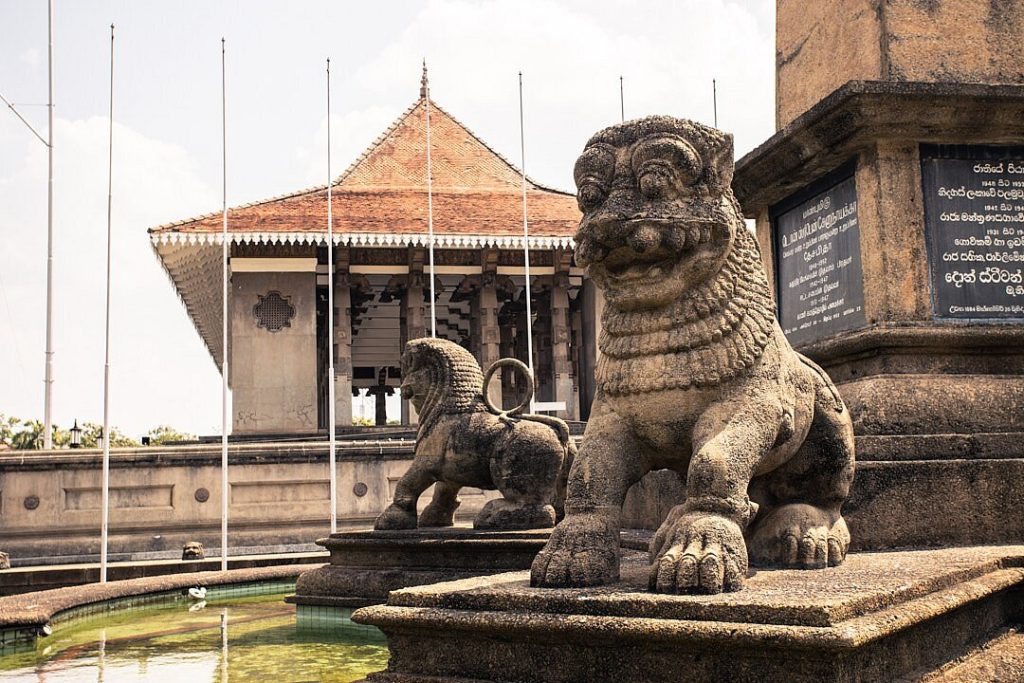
(879, 617)
(366, 565)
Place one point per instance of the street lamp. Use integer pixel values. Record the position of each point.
(76, 436)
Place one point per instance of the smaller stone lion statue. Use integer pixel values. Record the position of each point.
(463, 440)
(193, 550)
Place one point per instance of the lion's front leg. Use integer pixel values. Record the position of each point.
(700, 547)
(584, 548)
(401, 514)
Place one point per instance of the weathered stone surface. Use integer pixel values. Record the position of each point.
(877, 617)
(464, 441)
(999, 661)
(914, 497)
(821, 46)
(366, 566)
(695, 376)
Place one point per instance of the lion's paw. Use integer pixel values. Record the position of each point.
(700, 552)
(583, 551)
(800, 536)
(394, 518)
(435, 515)
(501, 514)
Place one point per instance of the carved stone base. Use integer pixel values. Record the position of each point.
(366, 565)
(878, 617)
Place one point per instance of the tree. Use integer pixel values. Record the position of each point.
(8, 426)
(91, 437)
(167, 434)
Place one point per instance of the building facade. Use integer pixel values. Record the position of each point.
(278, 337)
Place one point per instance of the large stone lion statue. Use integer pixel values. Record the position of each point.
(695, 376)
(462, 440)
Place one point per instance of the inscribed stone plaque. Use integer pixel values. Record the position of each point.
(974, 228)
(820, 283)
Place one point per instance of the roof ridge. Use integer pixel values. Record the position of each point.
(496, 152)
(362, 157)
(377, 142)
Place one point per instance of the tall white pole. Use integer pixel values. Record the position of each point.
(622, 100)
(331, 460)
(714, 100)
(526, 237)
(430, 202)
(48, 380)
(104, 526)
(224, 316)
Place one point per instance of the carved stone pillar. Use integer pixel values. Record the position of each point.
(507, 349)
(412, 316)
(543, 368)
(342, 339)
(561, 362)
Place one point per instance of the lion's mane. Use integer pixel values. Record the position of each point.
(456, 383)
(714, 332)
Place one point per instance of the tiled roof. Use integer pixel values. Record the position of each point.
(475, 191)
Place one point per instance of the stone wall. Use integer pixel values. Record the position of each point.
(822, 45)
(273, 351)
(163, 497)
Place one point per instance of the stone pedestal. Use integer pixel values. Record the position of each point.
(878, 617)
(366, 565)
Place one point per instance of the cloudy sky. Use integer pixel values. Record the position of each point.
(167, 158)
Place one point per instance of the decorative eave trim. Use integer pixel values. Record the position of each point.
(363, 239)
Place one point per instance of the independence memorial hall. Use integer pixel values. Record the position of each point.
(278, 363)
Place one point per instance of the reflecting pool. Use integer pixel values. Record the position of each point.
(184, 643)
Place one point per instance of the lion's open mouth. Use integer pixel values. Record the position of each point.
(626, 265)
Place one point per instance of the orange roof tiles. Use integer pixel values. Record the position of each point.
(475, 191)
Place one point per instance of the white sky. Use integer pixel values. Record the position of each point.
(167, 162)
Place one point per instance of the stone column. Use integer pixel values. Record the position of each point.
(486, 330)
(413, 317)
(563, 381)
(507, 349)
(543, 368)
(342, 339)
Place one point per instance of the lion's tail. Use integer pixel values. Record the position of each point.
(561, 485)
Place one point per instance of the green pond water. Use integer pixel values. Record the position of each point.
(171, 643)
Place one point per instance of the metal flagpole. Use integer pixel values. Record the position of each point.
(104, 526)
(425, 93)
(526, 238)
(48, 382)
(331, 417)
(224, 316)
(714, 100)
(622, 100)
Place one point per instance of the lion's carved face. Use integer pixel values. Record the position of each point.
(416, 380)
(658, 216)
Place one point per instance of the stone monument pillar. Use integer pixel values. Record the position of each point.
(890, 215)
